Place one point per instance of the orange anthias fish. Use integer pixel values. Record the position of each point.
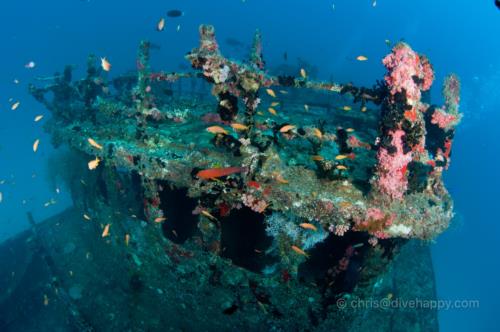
(105, 232)
(317, 133)
(213, 173)
(361, 58)
(94, 144)
(271, 93)
(35, 145)
(106, 66)
(286, 128)
(160, 219)
(307, 225)
(161, 24)
(299, 251)
(272, 111)
(239, 126)
(94, 163)
(217, 130)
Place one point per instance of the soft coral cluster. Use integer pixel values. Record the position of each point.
(392, 167)
(408, 72)
(443, 119)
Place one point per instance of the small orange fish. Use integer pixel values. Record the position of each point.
(208, 214)
(94, 144)
(299, 251)
(218, 172)
(272, 111)
(239, 126)
(286, 128)
(94, 163)
(303, 73)
(283, 92)
(280, 179)
(275, 103)
(160, 219)
(35, 145)
(341, 157)
(317, 133)
(341, 167)
(361, 58)
(364, 109)
(161, 24)
(317, 158)
(106, 66)
(271, 93)
(217, 130)
(45, 300)
(105, 232)
(38, 118)
(86, 217)
(347, 108)
(350, 130)
(15, 105)
(307, 225)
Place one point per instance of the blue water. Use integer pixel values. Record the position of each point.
(461, 36)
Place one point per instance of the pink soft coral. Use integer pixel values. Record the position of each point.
(392, 167)
(442, 119)
(408, 72)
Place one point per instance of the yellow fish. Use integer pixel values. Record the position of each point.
(361, 58)
(303, 73)
(106, 66)
(239, 126)
(160, 219)
(280, 179)
(286, 128)
(350, 130)
(341, 167)
(272, 111)
(38, 118)
(208, 214)
(275, 103)
(35, 145)
(347, 108)
(94, 163)
(271, 93)
(341, 157)
(307, 225)
(105, 232)
(161, 24)
(217, 130)
(317, 133)
(15, 105)
(299, 251)
(94, 144)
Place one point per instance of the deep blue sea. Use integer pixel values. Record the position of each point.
(461, 36)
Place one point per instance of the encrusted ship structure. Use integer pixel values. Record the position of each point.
(225, 198)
